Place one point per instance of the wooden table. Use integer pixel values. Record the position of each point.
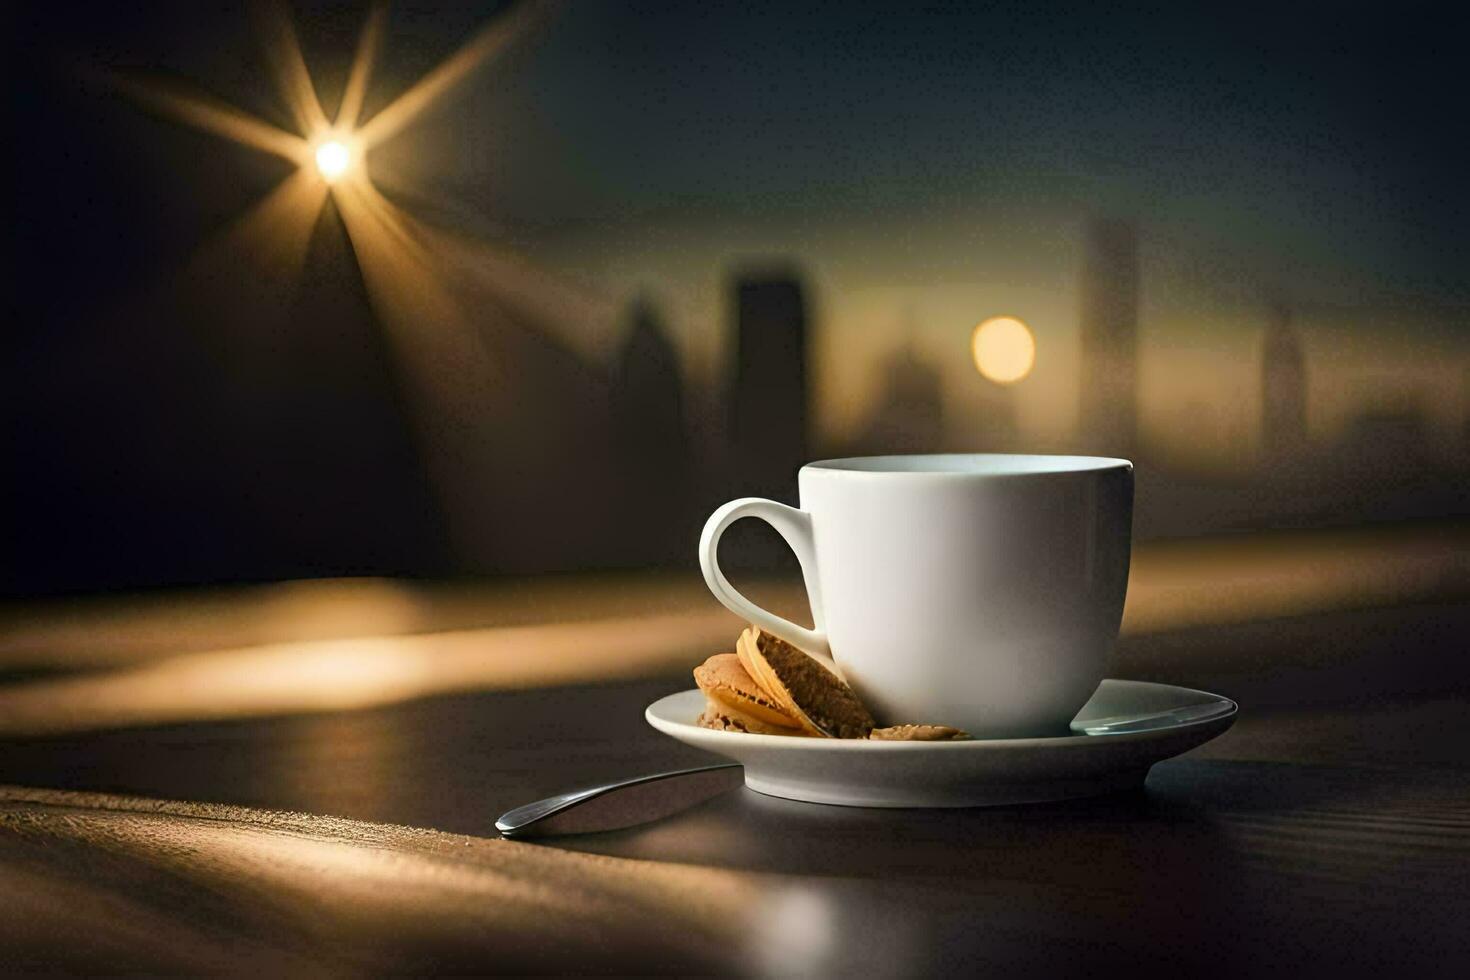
(1328, 832)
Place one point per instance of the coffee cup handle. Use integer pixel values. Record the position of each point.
(795, 526)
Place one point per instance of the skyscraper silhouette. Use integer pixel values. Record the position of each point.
(652, 441)
(647, 394)
(993, 428)
(1283, 388)
(1109, 317)
(908, 416)
(768, 398)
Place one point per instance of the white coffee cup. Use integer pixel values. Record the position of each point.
(980, 591)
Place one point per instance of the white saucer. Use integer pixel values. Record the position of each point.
(1116, 737)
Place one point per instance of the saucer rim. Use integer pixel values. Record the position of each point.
(1072, 740)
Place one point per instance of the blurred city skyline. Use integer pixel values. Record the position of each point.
(939, 171)
(902, 238)
(1257, 179)
(1360, 362)
(563, 245)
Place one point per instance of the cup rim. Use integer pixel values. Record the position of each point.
(967, 465)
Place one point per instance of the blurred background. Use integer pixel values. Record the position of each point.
(369, 370)
(470, 290)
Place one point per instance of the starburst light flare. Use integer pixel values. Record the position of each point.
(470, 325)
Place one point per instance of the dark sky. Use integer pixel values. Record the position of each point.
(1336, 130)
(1325, 129)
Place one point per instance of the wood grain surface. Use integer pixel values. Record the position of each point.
(1328, 832)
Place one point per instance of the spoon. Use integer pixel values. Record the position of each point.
(627, 803)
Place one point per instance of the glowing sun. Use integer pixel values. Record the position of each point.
(1004, 349)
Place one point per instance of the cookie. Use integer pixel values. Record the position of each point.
(721, 717)
(726, 683)
(802, 687)
(918, 733)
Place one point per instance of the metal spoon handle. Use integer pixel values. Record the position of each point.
(621, 804)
